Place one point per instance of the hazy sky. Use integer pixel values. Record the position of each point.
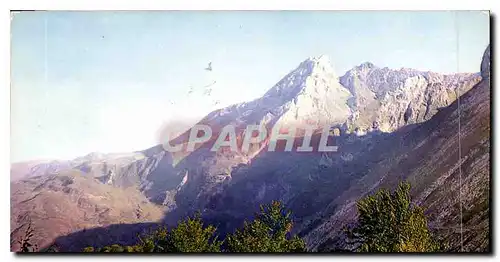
(106, 81)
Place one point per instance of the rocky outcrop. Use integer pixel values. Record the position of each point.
(309, 94)
(485, 64)
(396, 98)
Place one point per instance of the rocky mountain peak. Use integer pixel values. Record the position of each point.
(319, 62)
(311, 91)
(319, 59)
(310, 94)
(366, 66)
(296, 81)
(394, 98)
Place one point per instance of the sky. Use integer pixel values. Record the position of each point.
(83, 82)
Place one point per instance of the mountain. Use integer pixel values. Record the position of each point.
(446, 165)
(390, 125)
(310, 94)
(313, 92)
(322, 189)
(390, 99)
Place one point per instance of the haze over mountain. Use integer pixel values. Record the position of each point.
(391, 125)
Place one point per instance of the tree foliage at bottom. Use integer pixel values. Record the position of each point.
(269, 232)
(389, 222)
(190, 235)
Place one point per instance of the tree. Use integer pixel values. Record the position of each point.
(115, 248)
(389, 222)
(26, 244)
(190, 235)
(269, 232)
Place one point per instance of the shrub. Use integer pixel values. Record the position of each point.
(389, 222)
(269, 232)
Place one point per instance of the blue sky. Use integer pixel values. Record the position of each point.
(107, 81)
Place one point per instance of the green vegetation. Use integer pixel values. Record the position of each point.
(190, 235)
(389, 222)
(268, 232)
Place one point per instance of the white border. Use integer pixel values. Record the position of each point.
(252, 5)
(201, 5)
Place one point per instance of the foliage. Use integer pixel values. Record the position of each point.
(114, 249)
(389, 222)
(190, 235)
(50, 249)
(269, 232)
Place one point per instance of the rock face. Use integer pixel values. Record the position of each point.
(485, 64)
(428, 157)
(390, 125)
(311, 93)
(396, 98)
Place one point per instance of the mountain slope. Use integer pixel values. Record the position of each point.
(427, 156)
(63, 203)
